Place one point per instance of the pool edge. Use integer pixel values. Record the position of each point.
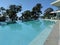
(37, 41)
(53, 38)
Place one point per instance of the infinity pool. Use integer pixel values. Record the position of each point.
(22, 33)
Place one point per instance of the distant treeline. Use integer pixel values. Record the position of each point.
(10, 14)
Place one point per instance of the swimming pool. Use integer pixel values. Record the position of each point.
(22, 33)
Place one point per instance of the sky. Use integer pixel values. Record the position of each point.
(27, 4)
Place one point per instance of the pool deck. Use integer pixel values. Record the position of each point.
(53, 38)
(59, 33)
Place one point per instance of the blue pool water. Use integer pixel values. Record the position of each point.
(22, 33)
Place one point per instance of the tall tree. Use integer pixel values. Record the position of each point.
(3, 17)
(36, 11)
(32, 15)
(26, 15)
(47, 12)
(12, 12)
(2, 9)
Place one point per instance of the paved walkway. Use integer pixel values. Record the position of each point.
(53, 38)
(59, 32)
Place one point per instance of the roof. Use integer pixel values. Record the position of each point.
(56, 3)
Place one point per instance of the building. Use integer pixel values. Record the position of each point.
(57, 4)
